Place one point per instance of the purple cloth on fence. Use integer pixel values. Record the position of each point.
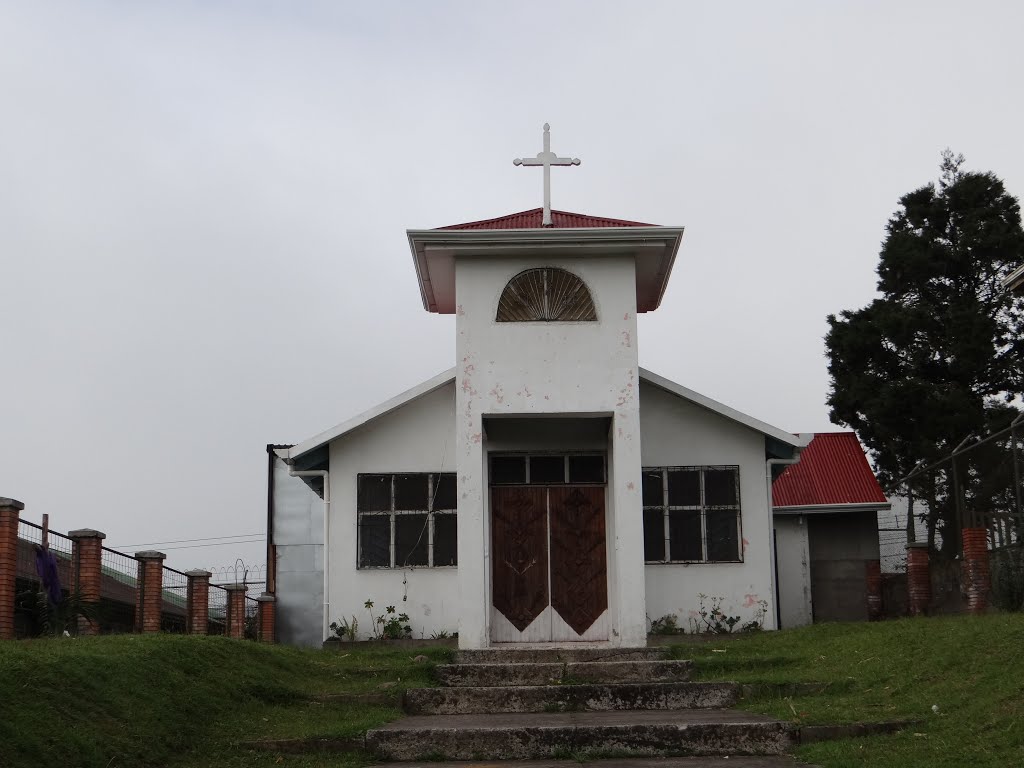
(46, 567)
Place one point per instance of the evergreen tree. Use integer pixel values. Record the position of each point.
(938, 356)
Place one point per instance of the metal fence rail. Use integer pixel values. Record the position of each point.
(174, 600)
(45, 557)
(252, 611)
(120, 575)
(118, 583)
(35, 612)
(976, 485)
(62, 547)
(218, 617)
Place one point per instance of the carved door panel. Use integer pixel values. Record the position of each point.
(579, 571)
(549, 564)
(519, 553)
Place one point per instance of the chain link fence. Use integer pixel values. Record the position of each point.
(977, 485)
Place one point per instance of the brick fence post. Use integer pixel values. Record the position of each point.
(236, 610)
(977, 580)
(266, 631)
(149, 601)
(197, 610)
(873, 574)
(10, 510)
(86, 575)
(919, 580)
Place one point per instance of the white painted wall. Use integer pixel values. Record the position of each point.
(792, 552)
(677, 432)
(546, 368)
(424, 436)
(418, 437)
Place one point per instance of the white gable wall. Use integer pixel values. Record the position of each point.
(677, 432)
(420, 436)
(417, 437)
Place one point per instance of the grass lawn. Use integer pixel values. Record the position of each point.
(168, 700)
(971, 668)
(164, 700)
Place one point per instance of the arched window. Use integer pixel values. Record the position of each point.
(545, 294)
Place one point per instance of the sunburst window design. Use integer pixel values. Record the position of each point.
(545, 294)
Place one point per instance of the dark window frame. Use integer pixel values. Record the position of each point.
(702, 509)
(567, 471)
(392, 515)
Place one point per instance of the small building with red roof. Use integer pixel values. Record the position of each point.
(826, 532)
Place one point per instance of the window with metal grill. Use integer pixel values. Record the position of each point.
(692, 515)
(546, 294)
(406, 519)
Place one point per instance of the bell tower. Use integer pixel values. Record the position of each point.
(546, 306)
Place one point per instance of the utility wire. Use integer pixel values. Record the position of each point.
(184, 541)
(219, 544)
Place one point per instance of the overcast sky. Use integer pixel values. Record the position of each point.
(203, 209)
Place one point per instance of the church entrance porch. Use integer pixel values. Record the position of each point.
(549, 572)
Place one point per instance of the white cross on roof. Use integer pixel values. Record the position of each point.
(547, 158)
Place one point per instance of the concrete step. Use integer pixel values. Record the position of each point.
(773, 761)
(549, 655)
(488, 675)
(594, 697)
(563, 735)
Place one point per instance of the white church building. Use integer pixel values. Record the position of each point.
(545, 489)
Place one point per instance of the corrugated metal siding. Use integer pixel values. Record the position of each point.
(559, 220)
(832, 470)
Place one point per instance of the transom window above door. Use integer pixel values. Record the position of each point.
(544, 295)
(547, 468)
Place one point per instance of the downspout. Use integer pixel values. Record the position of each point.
(769, 464)
(327, 530)
(271, 551)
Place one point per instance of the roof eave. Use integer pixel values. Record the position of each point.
(1015, 280)
(714, 406)
(420, 390)
(557, 238)
(820, 509)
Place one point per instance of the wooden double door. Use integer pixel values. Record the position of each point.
(549, 563)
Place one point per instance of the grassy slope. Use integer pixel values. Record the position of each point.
(165, 700)
(178, 701)
(971, 668)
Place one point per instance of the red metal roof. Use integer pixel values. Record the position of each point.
(832, 470)
(559, 220)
